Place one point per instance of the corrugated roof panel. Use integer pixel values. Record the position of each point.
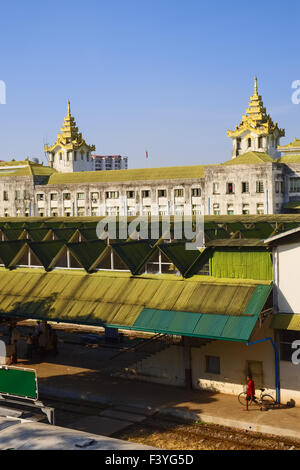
(166, 295)
(211, 325)
(127, 314)
(239, 328)
(134, 254)
(184, 322)
(258, 300)
(87, 252)
(186, 293)
(145, 318)
(46, 250)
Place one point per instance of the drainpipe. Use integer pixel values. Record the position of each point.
(277, 381)
(209, 206)
(267, 200)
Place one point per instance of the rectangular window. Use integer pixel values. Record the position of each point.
(260, 209)
(80, 196)
(75, 156)
(282, 188)
(277, 186)
(212, 365)
(146, 193)
(130, 194)
(40, 197)
(95, 196)
(162, 193)
(5, 195)
(178, 192)
(53, 197)
(230, 188)
(260, 142)
(259, 186)
(67, 196)
(196, 210)
(17, 195)
(216, 209)
(26, 194)
(196, 192)
(230, 210)
(111, 194)
(245, 187)
(294, 185)
(245, 209)
(216, 188)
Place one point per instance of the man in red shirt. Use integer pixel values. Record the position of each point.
(250, 390)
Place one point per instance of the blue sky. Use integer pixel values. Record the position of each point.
(168, 76)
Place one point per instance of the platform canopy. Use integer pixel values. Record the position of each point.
(225, 309)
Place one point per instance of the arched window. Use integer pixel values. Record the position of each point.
(249, 142)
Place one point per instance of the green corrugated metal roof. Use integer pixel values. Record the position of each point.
(65, 234)
(38, 234)
(176, 252)
(209, 325)
(134, 254)
(88, 233)
(46, 251)
(215, 233)
(118, 300)
(9, 250)
(225, 327)
(13, 233)
(87, 252)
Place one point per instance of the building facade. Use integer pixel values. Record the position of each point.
(109, 162)
(257, 180)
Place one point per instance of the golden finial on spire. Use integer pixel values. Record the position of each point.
(69, 108)
(255, 85)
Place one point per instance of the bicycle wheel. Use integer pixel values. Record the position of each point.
(242, 399)
(268, 401)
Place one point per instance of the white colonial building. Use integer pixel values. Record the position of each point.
(257, 180)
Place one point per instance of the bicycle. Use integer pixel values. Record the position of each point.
(265, 400)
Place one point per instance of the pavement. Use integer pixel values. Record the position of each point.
(77, 374)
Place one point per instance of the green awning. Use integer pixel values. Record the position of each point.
(213, 326)
(216, 309)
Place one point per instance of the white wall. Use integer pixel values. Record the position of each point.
(288, 292)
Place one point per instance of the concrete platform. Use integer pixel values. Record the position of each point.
(79, 377)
